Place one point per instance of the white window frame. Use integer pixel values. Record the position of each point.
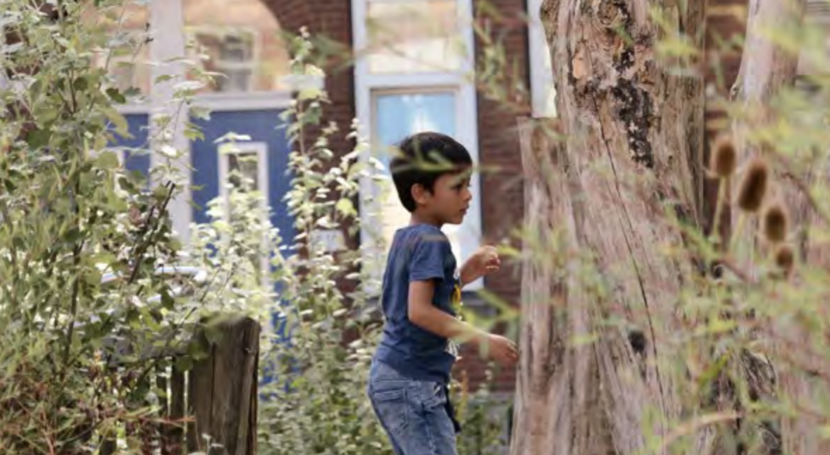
(367, 85)
(225, 150)
(541, 77)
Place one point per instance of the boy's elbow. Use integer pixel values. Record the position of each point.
(414, 315)
(417, 315)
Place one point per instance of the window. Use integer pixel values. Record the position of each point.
(397, 115)
(413, 36)
(244, 39)
(543, 92)
(244, 166)
(413, 76)
(231, 53)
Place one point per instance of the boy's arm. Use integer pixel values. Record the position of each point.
(482, 262)
(425, 315)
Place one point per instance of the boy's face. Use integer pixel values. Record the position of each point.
(449, 199)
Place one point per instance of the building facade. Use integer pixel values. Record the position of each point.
(468, 68)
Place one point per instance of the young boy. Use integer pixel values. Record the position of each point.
(421, 287)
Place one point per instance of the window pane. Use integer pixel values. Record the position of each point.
(243, 170)
(236, 49)
(414, 37)
(398, 115)
(234, 80)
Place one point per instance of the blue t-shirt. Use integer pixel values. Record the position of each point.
(418, 253)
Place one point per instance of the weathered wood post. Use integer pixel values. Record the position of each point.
(222, 392)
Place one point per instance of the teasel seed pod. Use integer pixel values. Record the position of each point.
(724, 157)
(754, 186)
(785, 259)
(775, 223)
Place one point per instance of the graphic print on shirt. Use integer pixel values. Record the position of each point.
(456, 304)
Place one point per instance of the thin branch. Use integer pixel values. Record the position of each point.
(143, 247)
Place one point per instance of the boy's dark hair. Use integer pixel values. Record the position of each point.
(422, 158)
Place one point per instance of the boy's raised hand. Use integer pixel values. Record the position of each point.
(502, 350)
(485, 260)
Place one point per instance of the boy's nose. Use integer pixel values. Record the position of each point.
(468, 194)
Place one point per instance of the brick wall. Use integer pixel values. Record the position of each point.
(501, 183)
(502, 189)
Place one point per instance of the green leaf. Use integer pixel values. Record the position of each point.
(92, 277)
(232, 137)
(116, 95)
(121, 126)
(132, 92)
(200, 112)
(80, 84)
(196, 351)
(184, 363)
(166, 300)
(163, 78)
(346, 207)
(194, 134)
(38, 138)
(107, 160)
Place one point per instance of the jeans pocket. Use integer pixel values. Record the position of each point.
(433, 395)
(391, 408)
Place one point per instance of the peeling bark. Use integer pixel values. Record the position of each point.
(557, 407)
(633, 150)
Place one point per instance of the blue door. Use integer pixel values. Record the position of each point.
(261, 126)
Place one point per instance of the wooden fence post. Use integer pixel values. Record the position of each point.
(223, 392)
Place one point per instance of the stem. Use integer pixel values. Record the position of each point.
(76, 256)
(733, 242)
(76, 285)
(143, 247)
(715, 233)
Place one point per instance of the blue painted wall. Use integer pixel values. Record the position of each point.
(136, 160)
(261, 126)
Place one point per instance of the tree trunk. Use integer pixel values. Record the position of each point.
(632, 152)
(557, 407)
(765, 69)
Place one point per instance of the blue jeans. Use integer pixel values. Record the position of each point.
(415, 414)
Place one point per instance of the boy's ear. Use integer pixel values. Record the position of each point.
(420, 194)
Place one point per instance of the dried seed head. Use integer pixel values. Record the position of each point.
(775, 223)
(754, 186)
(724, 157)
(785, 259)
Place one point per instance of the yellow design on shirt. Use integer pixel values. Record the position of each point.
(455, 302)
(456, 296)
